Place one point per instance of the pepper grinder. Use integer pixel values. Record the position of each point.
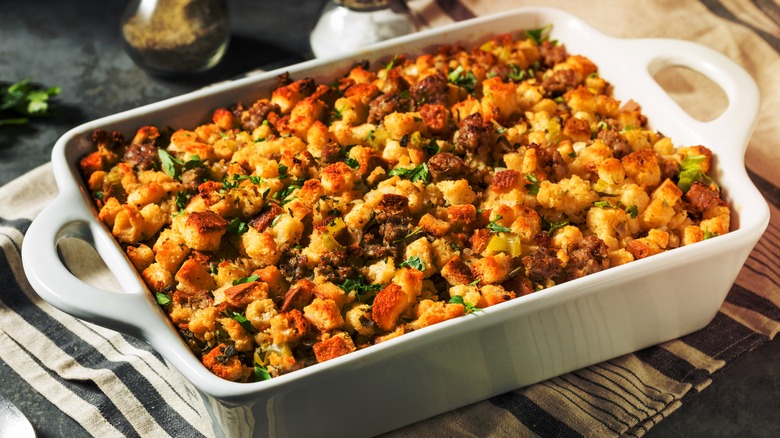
(175, 37)
(346, 25)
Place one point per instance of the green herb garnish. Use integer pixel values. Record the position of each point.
(174, 166)
(261, 373)
(470, 308)
(632, 211)
(237, 226)
(552, 227)
(359, 285)
(25, 100)
(353, 163)
(690, 171)
(495, 227)
(243, 280)
(462, 78)
(418, 173)
(162, 299)
(241, 319)
(539, 35)
(413, 262)
(533, 186)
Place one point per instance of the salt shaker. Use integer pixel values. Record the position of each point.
(176, 37)
(346, 25)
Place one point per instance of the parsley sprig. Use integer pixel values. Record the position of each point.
(463, 78)
(418, 173)
(413, 262)
(539, 35)
(242, 280)
(359, 286)
(533, 183)
(24, 100)
(470, 308)
(174, 166)
(495, 227)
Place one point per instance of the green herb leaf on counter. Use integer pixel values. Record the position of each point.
(26, 100)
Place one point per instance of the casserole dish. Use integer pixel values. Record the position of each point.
(459, 361)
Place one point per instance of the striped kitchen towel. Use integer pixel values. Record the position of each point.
(114, 385)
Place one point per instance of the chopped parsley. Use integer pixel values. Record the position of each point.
(533, 186)
(182, 198)
(495, 227)
(282, 171)
(162, 299)
(632, 211)
(539, 35)
(432, 148)
(552, 227)
(353, 163)
(470, 308)
(338, 112)
(691, 171)
(168, 162)
(603, 204)
(359, 286)
(283, 194)
(709, 234)
(234, 180)
(261, 373)
(392, 62)
(241, 319)
(462, 78)
(237, 226)
(243, 280)
(418, 173)
(174, 166)
(413, 262)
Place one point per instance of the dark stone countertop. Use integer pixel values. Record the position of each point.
(76, 46)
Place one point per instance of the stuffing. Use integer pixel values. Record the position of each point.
(323, 218)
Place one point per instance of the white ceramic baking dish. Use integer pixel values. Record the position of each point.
(459, 361)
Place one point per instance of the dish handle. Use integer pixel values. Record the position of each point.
(735, 125)
(54, 282)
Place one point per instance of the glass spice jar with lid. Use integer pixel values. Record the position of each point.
(176, 37)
